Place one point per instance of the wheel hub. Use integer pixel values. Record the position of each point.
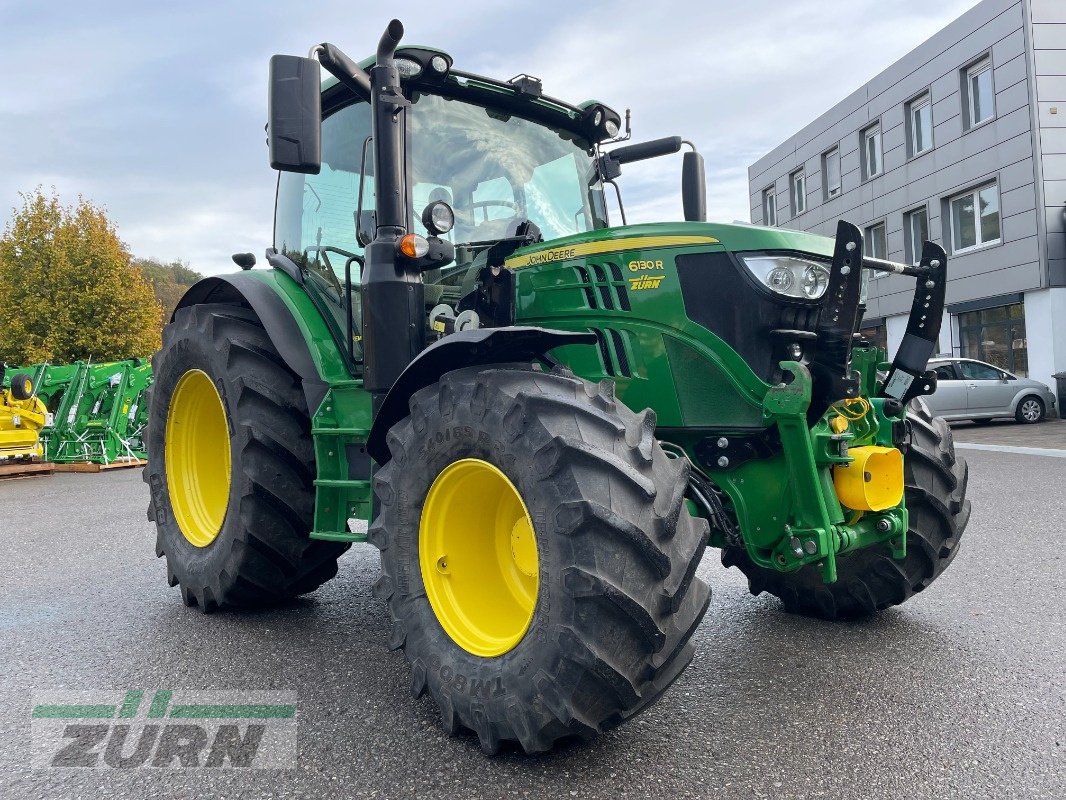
(197, 453)
(478, 557)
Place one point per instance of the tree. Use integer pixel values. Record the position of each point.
(68, 289)
(169, 281)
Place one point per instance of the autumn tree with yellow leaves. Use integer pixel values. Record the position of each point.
(69, 289)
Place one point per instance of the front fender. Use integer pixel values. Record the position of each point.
(462, 349)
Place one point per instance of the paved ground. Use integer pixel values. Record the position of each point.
(1051, 433)
(959, 694)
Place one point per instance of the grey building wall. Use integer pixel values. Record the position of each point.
(1048, 36)
(1001, 150)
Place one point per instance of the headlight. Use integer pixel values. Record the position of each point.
(407, 67)
(790, 276)
(438, 217)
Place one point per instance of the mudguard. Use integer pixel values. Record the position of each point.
(277, 319)
(462, 349)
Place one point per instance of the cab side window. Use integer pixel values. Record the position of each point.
(946, 372)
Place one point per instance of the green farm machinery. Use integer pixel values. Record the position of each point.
(539, 416)
(96, 412)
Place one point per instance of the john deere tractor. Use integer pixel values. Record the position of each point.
(538, 415)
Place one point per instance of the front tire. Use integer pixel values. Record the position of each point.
(1030, 410)
(231, 465)
(604, 603)
(871, 580)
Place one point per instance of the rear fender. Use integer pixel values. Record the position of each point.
(263, 294)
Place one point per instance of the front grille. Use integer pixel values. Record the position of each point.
(720, 296)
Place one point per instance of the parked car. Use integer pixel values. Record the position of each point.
(969, 389)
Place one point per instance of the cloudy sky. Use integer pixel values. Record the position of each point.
(156, 111)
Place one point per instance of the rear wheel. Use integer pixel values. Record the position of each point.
(871, 580)
(231, 465)
(536, 554)
(1030, 410)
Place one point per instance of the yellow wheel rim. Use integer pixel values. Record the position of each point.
(478, 553)
(197, 458)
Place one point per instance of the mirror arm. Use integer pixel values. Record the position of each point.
(340, 66)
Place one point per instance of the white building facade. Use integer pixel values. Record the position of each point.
(962, 141)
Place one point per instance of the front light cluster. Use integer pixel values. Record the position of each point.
(789, 275)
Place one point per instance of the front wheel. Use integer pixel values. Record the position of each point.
(871, 580)
(1030, 410)
(537, 555)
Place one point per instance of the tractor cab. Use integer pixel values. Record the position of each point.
(488, 166)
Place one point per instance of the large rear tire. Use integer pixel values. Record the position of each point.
(231, 465)
(870, 580)
(600, 624)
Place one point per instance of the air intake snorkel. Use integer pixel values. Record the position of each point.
(393, 296)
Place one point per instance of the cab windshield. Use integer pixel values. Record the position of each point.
(497, 170)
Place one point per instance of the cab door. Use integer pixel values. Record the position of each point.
(988, 390)
(949, 399)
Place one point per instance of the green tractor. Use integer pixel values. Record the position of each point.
(539, 418)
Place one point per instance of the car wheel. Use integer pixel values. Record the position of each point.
(1030, 410)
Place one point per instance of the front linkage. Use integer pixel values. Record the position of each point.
(842, 429)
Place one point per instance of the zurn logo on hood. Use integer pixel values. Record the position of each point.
(163, 729)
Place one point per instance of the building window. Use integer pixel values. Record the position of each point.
(872, 161)
(996, 335)
(797, 182)
(769, 207)
(919, 125)
(831, 173)
(975, 219)
(876, 241)
(916, 230)
(977, 91)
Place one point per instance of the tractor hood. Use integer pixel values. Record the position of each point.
(705, 235)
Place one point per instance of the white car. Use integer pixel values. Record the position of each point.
(969, 389)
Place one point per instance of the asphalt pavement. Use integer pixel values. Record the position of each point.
(961, 693)
(1050, 434)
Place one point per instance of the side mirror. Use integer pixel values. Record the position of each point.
(694, 187)
(294, 130)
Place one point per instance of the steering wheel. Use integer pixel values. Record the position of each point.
(486, 204)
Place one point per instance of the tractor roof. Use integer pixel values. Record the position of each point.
(522, 95)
